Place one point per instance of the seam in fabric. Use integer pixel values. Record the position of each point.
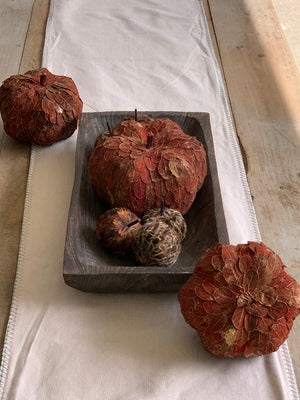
(289, 369)
(18, 284)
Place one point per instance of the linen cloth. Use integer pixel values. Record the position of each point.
(65, 344)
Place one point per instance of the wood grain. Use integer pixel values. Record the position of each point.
(263, 86)
(90, 267)
(21, 45)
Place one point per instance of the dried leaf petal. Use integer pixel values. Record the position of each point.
(216, 324)
(266, 297)
(225, 296)
(265, 324)
(230, 272)
(213, 308)
(278, 310)
(245, 263)
(217, 262)
(210, 285)
(250, 280)
(200, 292)
(250, 322)
(257, 310)
(238, 317)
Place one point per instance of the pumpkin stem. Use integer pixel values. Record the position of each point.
(43, 78)
(162, 207)
(135, 115)
(133, 222)
(149, 141)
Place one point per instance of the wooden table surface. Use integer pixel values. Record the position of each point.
(263, 87)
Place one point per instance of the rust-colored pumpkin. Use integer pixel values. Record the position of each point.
(143, 162)
(39, 107)
(241, 300)
(117, 229)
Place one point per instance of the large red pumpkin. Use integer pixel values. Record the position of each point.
(143, 162)
(241, 300)
(39, 107)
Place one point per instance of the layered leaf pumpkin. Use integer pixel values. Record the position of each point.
(141, 163)
(40, 107)
(241, 300)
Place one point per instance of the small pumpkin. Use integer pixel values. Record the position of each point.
(117, 229)
(40, 107)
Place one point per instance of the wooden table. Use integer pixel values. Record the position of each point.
(263, 87)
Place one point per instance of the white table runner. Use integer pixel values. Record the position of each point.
(65, 344)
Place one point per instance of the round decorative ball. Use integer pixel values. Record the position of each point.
(39, 107)
(117, 229)
(143, 162)
(170, 216)
(157, 244)
(241, 300)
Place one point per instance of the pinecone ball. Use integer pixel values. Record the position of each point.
(157, 244)
(117, 229)
(39, 107)
(170, 216)
(143, 162)
(241, 300)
